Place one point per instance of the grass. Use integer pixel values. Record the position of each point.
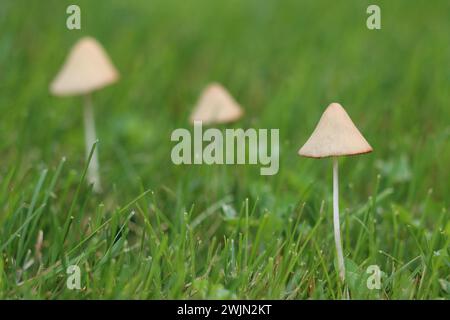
(165, 231)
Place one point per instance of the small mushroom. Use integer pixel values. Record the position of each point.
(216, 106)
(335, 135)
(86, 69)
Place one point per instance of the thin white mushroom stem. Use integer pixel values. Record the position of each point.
(93, 174)
(337, 228)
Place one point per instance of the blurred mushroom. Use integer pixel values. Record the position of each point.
(216, 106)
(86, 69)
(335, 135)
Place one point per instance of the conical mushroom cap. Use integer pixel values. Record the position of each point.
(87, 68)
(215, 106)
(335, 135)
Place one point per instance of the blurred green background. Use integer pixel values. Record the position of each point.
(283, 61)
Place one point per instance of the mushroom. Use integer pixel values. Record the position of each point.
(335, 135)
(86, 69)
(216, 106)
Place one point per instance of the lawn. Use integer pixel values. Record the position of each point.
(159, 230)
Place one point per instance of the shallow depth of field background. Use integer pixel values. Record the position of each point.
(226, 231)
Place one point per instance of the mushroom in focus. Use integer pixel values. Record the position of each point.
(335, 135)
(87, 68)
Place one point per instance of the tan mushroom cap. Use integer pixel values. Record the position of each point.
(216, 106)
(335, 135)
(86, 69)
